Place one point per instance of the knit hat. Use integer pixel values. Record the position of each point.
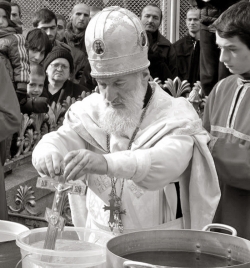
(59, 51)
(5, 5)
(116, 43)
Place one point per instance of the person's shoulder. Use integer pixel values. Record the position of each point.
(163, 41)
(230, 80)
(184, 43)
(88, 104)
(82, 88)
(169, 107)
(76, 87)
(63, 45)
(225, 85)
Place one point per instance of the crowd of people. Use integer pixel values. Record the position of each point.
(134, 146)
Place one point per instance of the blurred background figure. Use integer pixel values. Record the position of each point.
(39, 45)
(161, 53)
(16, 14)
(13, 52)
(46, 20)
(211, 69)
(188, 49)
(75, 32)
(94, 10)
(61, 27)
(58, 66)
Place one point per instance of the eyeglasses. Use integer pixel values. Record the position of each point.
(57, 65)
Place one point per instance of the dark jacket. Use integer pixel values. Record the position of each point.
(162, 57)
(211, 10)
(188, 59)
(35, 105)
(87, 80)
(10, 119)
(69, 88)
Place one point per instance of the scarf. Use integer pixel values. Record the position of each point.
(74, 39)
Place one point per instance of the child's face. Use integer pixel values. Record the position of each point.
(35, 86)
(3, 19)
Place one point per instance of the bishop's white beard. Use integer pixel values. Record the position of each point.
(122, 121)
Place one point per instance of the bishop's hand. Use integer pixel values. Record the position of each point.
(50, 164)
(80, 162)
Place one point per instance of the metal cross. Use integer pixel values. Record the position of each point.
(54, 216)
(115, 212)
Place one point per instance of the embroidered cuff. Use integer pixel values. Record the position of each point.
(143, 160)
(133, 165)
(121, 164)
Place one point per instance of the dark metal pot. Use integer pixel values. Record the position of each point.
(179, 248)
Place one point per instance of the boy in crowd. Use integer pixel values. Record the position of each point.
(35, 103)
(226, 117)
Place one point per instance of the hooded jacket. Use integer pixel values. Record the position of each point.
(211, 10)
(13, 51)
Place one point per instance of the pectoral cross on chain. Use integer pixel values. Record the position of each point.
(54, 215)
(115, 220)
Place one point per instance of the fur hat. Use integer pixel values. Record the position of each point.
(5, 5)
(116, 43)
(60, 51)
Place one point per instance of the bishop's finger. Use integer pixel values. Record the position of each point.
(70, 156)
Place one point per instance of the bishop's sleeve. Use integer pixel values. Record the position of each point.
(64, 140)
(155, 167)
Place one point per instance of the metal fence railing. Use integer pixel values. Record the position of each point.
(64, 7)
(184, 6)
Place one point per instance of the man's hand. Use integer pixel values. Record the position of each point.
(50, 164)
(80, 162)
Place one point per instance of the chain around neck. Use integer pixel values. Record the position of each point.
(113, 181)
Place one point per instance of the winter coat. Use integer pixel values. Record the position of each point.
(10, 119)
(13, 51)
(87, 80)
(211, 10)
(188, 58)
(69, 88)
(162, 57)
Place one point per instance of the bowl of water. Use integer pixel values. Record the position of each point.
(75, 247)
(9, 252)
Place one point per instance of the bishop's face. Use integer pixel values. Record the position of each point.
(123, 98)
(116, 90)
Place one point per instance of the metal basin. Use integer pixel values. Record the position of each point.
(178, 248)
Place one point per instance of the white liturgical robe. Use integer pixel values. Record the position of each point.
(170, 146)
